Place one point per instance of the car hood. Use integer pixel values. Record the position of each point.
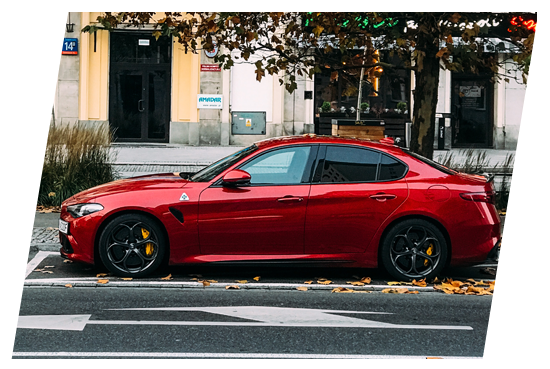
(154, 181)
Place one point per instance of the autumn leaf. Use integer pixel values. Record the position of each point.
(308, 282)
(301, 288)
(68, 285)
(324, 281)
(356, 283)
(256, 278)
(205, 283)
(365, 280)
(242, 281)
(455, 18)
(102, 281)
(317, 30)
(101, 275)
(420, 283)
(127, 279)
(167, 278)
(232, 287)
(341, 290)
(212, 281)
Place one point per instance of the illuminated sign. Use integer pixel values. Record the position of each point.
(530, 24)
(363, 22)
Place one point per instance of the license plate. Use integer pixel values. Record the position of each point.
(63, 226)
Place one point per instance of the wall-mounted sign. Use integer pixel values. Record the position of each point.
(470, 91)
(70, 46)
(143, 42)
(209, 101)
(210, 68)
(212, 53)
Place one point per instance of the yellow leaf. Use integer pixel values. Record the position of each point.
(127, 279)
(242, 281)
(301, 288)
(167, 278)
(342, 290)
(256, 278)
(366, 280)
(68, 285)
(103, 281)
(232, 287)
(356, 283)
(308, 282)
(205, 283)
(420, 283)
(212, 281)
(324, 281)
(101, 275)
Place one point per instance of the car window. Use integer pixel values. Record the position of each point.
(349, 164)
(211, 171)
(390, 169)
(282, 166)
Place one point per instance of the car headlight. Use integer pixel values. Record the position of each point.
(79, 210)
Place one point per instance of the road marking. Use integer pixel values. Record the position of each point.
(41, 255)
(211, 355)
(257, 316)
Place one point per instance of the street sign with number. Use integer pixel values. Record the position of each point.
(70, 46)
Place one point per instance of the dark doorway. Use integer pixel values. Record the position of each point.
(139, 87)
(472, 111)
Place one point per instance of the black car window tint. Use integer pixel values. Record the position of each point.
(283, 166)
(390, 169)
(349, 164)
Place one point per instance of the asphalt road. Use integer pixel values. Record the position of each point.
(245, 323)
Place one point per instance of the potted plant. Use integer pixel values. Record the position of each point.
(325, 108)
(365, 107)
(401, 107)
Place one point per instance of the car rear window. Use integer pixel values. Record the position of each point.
(430, 162)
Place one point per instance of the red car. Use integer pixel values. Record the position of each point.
(294, 200)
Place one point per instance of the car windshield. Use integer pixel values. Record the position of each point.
(211, 171)
(431, 163)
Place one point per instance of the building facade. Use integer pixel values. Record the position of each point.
(151, 90)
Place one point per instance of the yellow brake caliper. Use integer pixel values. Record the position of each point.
(149, 247)
(429, 251)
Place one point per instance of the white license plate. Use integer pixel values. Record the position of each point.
(63, 226)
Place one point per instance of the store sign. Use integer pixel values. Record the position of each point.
(209, 101)
(213, 52)
(70, 46)
(470, 91)
(210, 68)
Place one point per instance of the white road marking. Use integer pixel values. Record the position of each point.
(211, 355)
(41, 255)
(258, 316)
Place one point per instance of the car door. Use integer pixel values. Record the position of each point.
(353, 191)
(266, 217)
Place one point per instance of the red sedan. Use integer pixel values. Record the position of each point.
(294, 200)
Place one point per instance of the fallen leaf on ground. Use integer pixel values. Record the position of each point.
(356, 283)
(232, 287)
(212, 281)
(101, 275)
(127, 279)
(256, 278)
(242, 281)
(308, 282)
(420, 283)
(324, 281)
(103, 281)
(68, 285)
(341, 290)
(398, 283)
(167, 278)
(301, 288)
(205, 283)
(366, 280)
(398, 290)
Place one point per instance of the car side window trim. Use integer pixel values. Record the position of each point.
(321, 161)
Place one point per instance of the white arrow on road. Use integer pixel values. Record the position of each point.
(259, 316)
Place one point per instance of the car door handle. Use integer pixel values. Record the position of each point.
(290, 199)
(383, 196)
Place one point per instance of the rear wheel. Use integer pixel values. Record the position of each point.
(414, 249)
(132, 245)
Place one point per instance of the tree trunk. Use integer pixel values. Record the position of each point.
(425, 92)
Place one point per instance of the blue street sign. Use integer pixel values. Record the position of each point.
(70, 46)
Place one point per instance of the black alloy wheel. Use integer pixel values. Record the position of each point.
(132, 245)
(414, 249)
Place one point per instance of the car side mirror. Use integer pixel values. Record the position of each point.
(236, 178)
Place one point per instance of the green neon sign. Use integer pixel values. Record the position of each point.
(364, 22)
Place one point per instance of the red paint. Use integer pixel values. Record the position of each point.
(302, 222)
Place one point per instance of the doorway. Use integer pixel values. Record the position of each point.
(139, 87)
(472, 111)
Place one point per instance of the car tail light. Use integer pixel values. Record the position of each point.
(488, 197)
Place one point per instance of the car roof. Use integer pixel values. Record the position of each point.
(316, 139)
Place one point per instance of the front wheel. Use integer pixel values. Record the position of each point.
(132, 245)
(414, 249)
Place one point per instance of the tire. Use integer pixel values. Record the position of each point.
(132, 245)
(414, 249)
